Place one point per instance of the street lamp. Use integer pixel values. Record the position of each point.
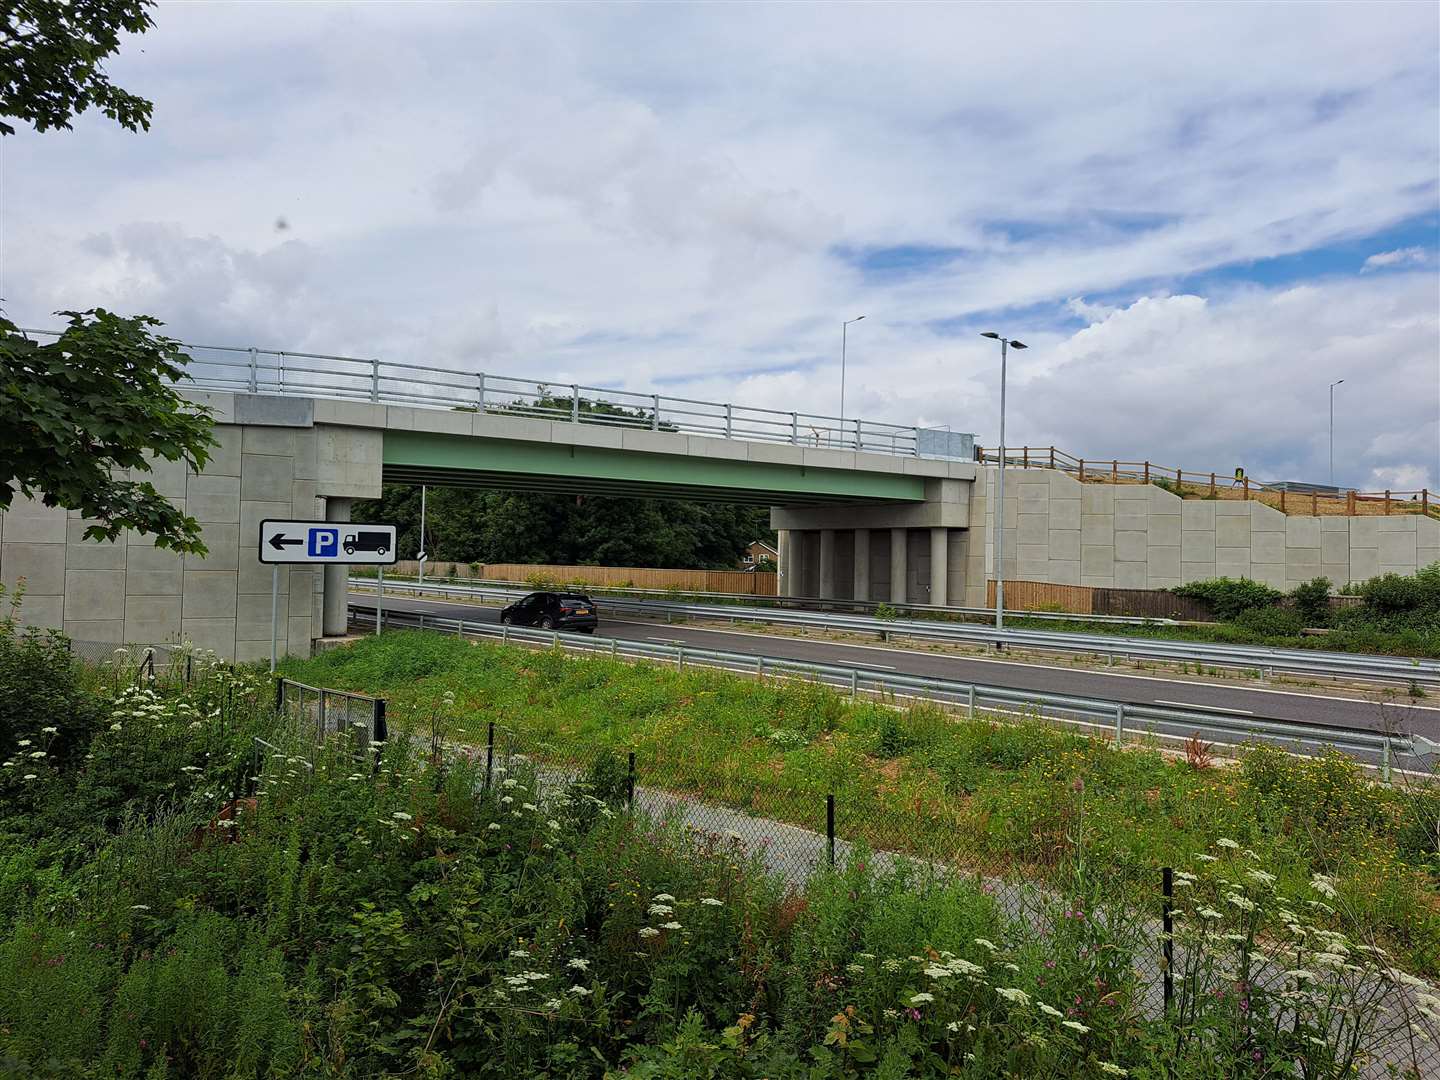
(1334, 384)
(844, 326)
(1006, 344)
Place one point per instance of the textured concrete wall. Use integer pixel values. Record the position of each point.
(1142, 537)
(132, 592)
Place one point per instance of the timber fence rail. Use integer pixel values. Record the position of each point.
(1316, 500)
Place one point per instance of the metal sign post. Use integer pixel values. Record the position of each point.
(322, 543)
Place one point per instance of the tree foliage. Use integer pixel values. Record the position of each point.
(463, 525)
(82, 411)
(51, 57)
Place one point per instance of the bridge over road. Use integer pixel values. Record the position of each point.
(302, 436)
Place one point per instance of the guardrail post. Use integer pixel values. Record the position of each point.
(1147, 472)
(1082, 470)
(970, 701)
(1387, 500)
(480, 391)
(574, 404)
(1052, 457)
(1282, 500)
(760, 668)
(854, 683)
(375, 380)
(555, 639)
(1167, 943)
(1385, 762)
(655, 412)
(504, 633)
(1424, 500)
(795, 429)
(680, 658)
(1212, 485)
(1025, 457)
(614, 648)
(489, 753)
(1119, 723)
(630, 783)
(860, 437)
(830, 826)
(1350, 502)
(1114, 472)
(729, 420)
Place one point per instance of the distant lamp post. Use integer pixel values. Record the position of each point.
(1334, 384)
(844, 326)
(1006, 344)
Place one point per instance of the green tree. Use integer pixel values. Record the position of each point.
(51, 52)
(464, 525)
(82, 411)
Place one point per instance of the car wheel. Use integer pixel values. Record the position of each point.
(505, 619)
(547, 623)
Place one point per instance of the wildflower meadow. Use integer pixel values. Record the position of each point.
(193, 884)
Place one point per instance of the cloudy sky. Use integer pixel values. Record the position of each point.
(1198, 216)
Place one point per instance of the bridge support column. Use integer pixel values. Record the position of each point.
(940, 566)
(827, 564)
(898, 565)
(785, 546)
(862, 565)
(337, 578)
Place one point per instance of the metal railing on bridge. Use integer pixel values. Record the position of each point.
(242, 369)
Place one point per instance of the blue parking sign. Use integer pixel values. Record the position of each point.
(324, 543)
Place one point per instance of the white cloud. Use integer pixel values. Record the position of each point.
(658, 196)
(1398, 257)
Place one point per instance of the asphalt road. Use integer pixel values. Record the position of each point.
(1175, 692)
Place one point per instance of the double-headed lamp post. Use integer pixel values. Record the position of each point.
(1334, 384)
(844, 326)
(1006, 344)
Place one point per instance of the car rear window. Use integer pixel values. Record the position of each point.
(574, 598)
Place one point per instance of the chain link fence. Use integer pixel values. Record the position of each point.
(795, 834)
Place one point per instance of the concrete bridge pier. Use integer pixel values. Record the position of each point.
(336, 618)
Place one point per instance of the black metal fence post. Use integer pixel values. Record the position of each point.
(189, 669)
(489, 753)
(381, 732)
(1167, 945)
(830, 826)
(279, 695)
(630, 784)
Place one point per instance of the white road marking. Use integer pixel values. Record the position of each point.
(1206, 708)
(1107, 673)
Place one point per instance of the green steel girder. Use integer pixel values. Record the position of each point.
(470, 461)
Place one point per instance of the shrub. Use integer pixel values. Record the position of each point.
(1270, 621)
(1312, 601)
(1228, 597)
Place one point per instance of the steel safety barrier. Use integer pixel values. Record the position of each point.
(1124, 719)
(1363, 666)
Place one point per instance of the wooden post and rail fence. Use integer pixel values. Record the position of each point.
(1316, 500)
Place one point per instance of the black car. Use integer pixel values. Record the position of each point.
(553, 611)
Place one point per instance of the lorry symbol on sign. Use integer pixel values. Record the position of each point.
(378, 542)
